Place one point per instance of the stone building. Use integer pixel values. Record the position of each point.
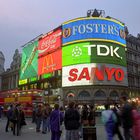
(2, 60)
(10, 77)
(133, 64)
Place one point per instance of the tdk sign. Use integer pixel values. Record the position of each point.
(89, 29)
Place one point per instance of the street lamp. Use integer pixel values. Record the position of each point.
(47, 92)
(59, 98)
(49, 86)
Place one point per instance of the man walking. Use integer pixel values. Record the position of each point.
(71, 121)
(127, 119)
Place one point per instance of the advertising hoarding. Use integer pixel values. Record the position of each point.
(75, 54)
(50, 62)
(94, 74)
(50, 42)
(29, 61)
(93, 52)
(93, 29)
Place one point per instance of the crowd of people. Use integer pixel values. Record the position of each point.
(73, 118)
(126, 116)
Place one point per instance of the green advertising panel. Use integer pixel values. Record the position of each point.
(29, 62)
(75, 54)
(93, 52)
(106, 52)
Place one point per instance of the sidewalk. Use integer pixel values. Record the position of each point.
(29, 132)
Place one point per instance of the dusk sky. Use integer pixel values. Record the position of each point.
(23, 20)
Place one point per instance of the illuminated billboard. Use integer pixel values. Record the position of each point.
(50, 62)
(94, 74)
(93, 52)
(75, 54)
(95, 28)
(29, 61)
(50, 42)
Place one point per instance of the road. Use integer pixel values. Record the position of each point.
(29, 133)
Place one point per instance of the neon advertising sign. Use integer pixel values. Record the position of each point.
(94, 74)
(50, 62)
(50, 42)
(87, 29)
(93, 52)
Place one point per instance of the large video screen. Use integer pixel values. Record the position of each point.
(29, 62)
(94, 74)
(50, 42)
(93, 52)
(50, 62)
(93, 29)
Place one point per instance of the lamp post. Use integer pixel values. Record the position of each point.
(59, 98)
(47, 93)
(49, 86)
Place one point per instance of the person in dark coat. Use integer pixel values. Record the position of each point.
(72, 122)
(127, 119)
(9, 117)
(56, 119)
(91, 116)
(118, 122)
(16, 120)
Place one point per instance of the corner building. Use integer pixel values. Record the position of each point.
(94, 66)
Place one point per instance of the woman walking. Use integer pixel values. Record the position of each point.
(56, 119)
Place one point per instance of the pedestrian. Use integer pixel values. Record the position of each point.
(46, 119)
(84, 115)
(16, 120)
(136, 122)
(118, 123)
(109, 119)
(9, 115)
(56, 119)
(38, 118)
(1, 110)
(72, 122)
(91, 116)
(127, 119)
(34, 114)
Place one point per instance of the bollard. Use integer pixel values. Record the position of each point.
(89, 133)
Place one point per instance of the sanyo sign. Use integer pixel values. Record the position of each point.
(94, 74)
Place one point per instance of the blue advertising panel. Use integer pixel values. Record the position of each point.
(93, 29)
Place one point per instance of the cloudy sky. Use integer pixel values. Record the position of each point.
(23, 20)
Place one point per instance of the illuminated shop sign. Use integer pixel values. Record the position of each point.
(50, 62)
(94, 74)
(93, 29)
(22, 82)
(29, 61)
(33, 79)
(93, 52)
(50, 42)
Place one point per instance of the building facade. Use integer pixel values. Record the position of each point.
(133, 64)
(2, 60)
(46, 69)
(10, 77)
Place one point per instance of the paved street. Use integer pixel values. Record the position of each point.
(28, 132)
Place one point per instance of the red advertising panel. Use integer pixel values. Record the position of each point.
(50, 42)
(50, 62)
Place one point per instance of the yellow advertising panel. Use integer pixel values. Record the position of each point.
(21, 82)
(24, 99)
(9, 100)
